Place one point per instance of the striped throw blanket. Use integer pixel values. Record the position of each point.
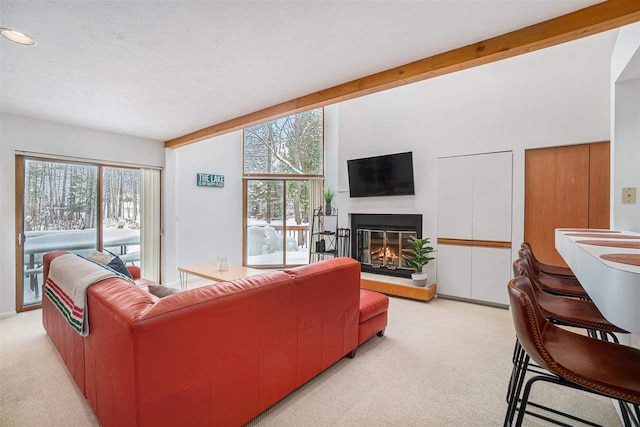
(69, 277)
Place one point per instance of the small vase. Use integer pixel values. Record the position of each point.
(327, 209)
(419, 279)
(223, 263)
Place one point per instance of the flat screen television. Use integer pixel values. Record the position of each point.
(390, 175)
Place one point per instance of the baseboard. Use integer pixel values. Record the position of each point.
(7, 314)
(473, 301)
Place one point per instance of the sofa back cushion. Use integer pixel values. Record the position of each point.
(226, 352)
(328, 301)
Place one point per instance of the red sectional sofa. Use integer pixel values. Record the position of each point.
(216, 355)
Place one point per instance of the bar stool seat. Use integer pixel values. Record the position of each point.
(573, 360)
(554, 270)
(575, 313)
(587, 361)
(564, 286)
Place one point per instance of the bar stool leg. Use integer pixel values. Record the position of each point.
(625, 414)
(517, 351)
(517, 388)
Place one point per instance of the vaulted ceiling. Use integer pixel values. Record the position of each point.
(162, 69)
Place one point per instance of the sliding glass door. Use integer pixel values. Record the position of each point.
(121, 213)
(59, 206)
(80, 208)
(277, 222)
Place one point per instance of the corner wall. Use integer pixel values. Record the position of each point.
(556, 96)
(625, 132)
(39, 136)
(208, 220)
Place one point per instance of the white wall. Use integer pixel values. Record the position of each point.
(43, 137)
(626, 158)
(557, 96)
(625, 133)
(626, 47)
(331, 138)
(168, 234)
(208, 220)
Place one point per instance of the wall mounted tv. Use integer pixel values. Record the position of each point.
(390, 175)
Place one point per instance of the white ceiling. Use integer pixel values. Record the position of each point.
(161, 69)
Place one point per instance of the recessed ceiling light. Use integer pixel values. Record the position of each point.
(17, 36)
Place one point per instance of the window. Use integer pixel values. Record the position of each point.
(283, 169)
(291, 145)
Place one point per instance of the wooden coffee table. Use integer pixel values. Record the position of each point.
(210, 271)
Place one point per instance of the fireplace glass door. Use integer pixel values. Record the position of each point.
(364, 254)
(404, 241)
(383, 249)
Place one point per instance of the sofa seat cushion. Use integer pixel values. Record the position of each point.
(372, 304)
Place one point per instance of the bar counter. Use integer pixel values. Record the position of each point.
(614, 286)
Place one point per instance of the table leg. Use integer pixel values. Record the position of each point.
(33, 279)
(183, 279)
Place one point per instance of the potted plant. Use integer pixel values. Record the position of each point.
(328, 198)
(417, 257)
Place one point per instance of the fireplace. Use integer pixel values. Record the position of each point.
(379, 240)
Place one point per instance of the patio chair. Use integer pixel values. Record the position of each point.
(256, 241)
(274, 241)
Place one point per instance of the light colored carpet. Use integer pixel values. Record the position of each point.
(442, 363)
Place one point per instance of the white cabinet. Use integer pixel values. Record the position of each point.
(454, 188)
(490, 272)
(474, 226)
(491, 193)
(454, 270)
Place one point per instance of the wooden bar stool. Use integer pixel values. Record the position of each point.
(571, 360)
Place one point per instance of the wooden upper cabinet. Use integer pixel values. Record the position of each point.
(564, 187)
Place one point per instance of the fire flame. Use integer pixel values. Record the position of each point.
(385, 252)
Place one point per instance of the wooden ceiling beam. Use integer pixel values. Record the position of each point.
(581, 23)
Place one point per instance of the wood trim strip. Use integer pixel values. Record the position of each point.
(19, 168)
(572, 26)
(474, 243)
(244, 223)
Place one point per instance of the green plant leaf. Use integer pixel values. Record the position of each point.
(417, 257)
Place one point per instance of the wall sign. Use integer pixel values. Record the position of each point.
(209, 180)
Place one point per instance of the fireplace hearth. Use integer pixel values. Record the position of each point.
(380, 239)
